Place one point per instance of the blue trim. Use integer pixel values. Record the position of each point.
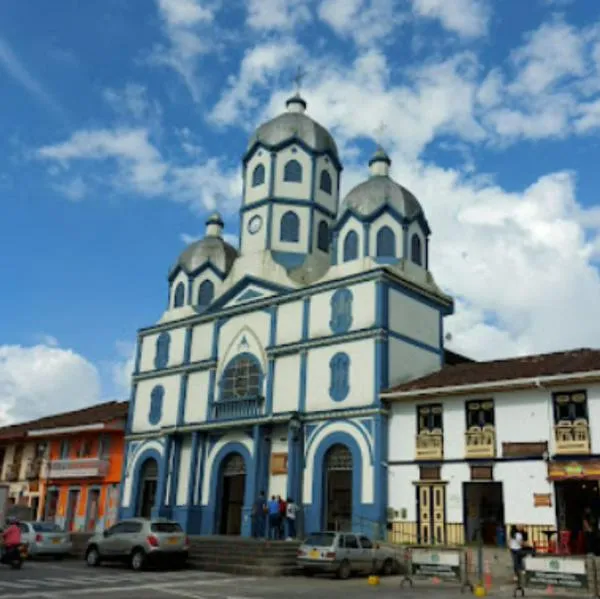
(240, 213)
(187, 348)
(249, 294)
(288, 260)
(415, 343)
(240, 286)
(206, 294)
(334, 242)
(353, 423)
(311, 215)
(131, 410)
(262, 451)
(183, 388)
(268, 203)
(293, 171)
(211, 516)
(341, 311)
(175, 471)
(161, 490)
(405, 241)
(302, 390)
(362, 514)
(339, 376)
(350, 246)
(385, 244)
(189, 291)
(155, 409)
(198, 270)
(203, 441)
(289, 202)
(212, 379)
(273, 325)
(138, 355)
(441, 341)
(135, 481)
(294, 475)
(214, 353)
(179, 295)
(289, 227)
(163, 345)
(381, 474)
(193, 468)
(270, 385)
(305, 318)
(426, 253)
(290, 141)
(366, 240)
(258, 175)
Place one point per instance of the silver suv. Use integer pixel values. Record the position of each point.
(139, 542)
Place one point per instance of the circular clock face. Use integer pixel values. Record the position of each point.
(254, 224)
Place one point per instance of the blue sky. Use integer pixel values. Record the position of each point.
(123, 123)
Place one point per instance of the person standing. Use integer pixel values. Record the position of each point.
(516, 550)
(273, 508)
(290, 514)
(282, 513)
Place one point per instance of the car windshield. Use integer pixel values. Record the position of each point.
(46, 527)
(321, 539)
(165, 527)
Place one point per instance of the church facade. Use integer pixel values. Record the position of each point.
(265, 371)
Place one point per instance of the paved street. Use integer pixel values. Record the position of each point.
(51, 580)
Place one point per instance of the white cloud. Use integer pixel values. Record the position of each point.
(17, 70)
(365, 21)
(188, 28)
(121, 369)
(230, 238)
(468, 18)
(44, 379)
(282, 15)
(74, 190)
(132, 102)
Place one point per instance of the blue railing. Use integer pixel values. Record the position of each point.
(237, 408)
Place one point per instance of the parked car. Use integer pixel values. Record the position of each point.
(45, 539)
(139, 542)
(344, 554)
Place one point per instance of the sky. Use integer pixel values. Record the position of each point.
(122, 124)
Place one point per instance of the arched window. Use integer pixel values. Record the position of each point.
(206, 292)
(161, 357)
(290, 227)
(416, 253)
(386, 243)
(292, 172)
(258, 175)
(156, 404)
(325, 183)
(341, 311)
(323, 237)
(179, 295)
(351, 246)
(241, 379)
(339, 367)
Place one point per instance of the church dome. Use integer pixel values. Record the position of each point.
(295, 124)
(379, 190)
(212, 248)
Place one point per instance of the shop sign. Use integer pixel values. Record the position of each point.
(542, 500)
(279, 463)
(431, 563)
(561, 471)
(566, 573)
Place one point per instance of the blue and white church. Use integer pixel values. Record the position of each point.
(265, 370)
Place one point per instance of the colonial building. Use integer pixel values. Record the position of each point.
(496, 443)
(265, 370)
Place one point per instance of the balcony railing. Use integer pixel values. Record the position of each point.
(33, 470)
(430, 445)
(480, 442)
(572, 438)
(237, 408)
(12, 472)
(78, 468)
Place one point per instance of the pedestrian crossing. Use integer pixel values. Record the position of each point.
(31, 582)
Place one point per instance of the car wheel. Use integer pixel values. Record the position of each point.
(344, 570)
(388, 567)
(92, 557)
(138, 560)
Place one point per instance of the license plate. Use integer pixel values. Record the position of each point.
(173, 541)
(314, 554)
(56, 541)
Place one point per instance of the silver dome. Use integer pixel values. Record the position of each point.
(369, 196)
(210, 249)
(295, 124)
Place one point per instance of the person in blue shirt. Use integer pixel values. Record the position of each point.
(274, 518)
(258, 516)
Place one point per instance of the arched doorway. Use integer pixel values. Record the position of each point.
(338, 488)
(148, 483)
(233, 483)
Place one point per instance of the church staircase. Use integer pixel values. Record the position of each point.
(237, 555)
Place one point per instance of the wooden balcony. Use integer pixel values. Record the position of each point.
(430, 445)
(480, 442)
(572, 438)
(12, 473)
(33, 470)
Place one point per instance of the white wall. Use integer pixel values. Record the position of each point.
(593, 392)
(279, 444)
(361, 373)
(402, 431)
(171, 385)
(257, 242)
(184, 470)
(176, 349)
(455, 475)
(363, 309)
(286, 384)
(414, 319)
(202, 341)
(132, 459)
(260, 192)
(289, 322)
(197, 397)
(415, 227)
(329, 201)
(407, 362)
(401, 489)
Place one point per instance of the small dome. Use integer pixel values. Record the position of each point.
(380, 189)
(210, 249)
(294, 123)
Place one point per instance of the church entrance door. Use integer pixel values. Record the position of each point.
(148, 485)
(233, 483)
(338, 489)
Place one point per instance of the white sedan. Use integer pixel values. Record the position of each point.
(45, 539)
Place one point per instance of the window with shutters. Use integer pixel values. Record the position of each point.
(179, 296)
(292, 172)
(290, 227)
(341, 311)
(325, 183)
(339, 366)
(258, 175)
(350, 246)
(386, 243)
(163, 344)
(156, 404)
(206, 292)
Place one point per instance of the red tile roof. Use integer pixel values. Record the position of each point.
(100, 413)
(504, 371)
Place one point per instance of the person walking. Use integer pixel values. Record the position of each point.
(273, 508)
(290, 514)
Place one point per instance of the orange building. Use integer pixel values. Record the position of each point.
(84, 451)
